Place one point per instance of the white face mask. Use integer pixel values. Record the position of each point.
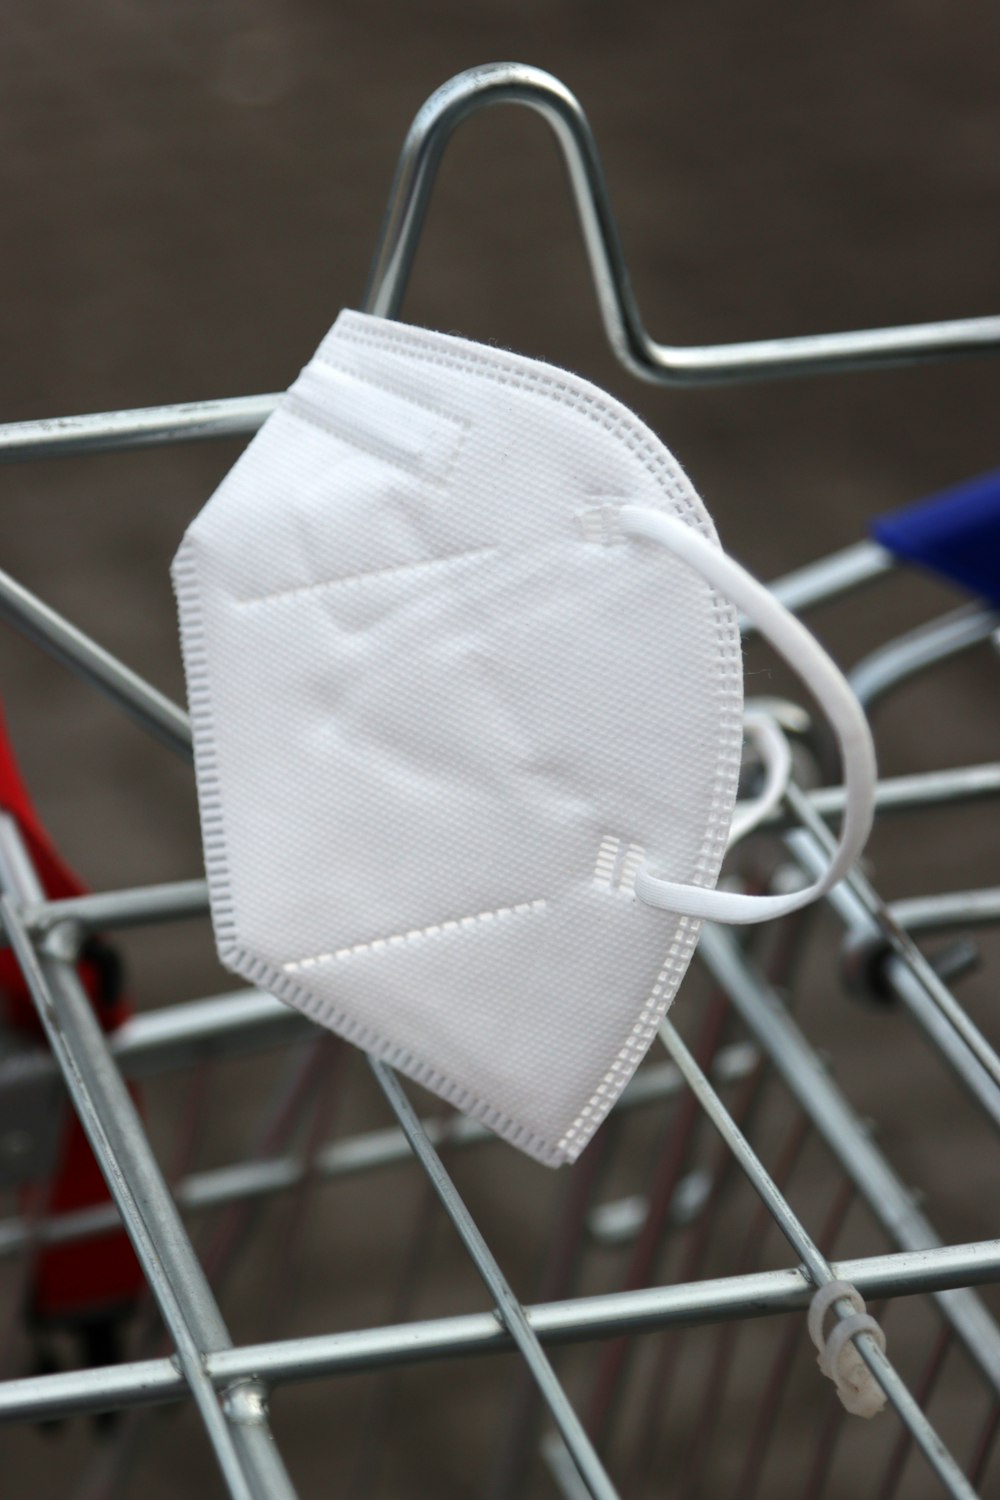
(465, 677)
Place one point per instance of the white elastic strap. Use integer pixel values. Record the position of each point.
(837, 1357)
(806, 656)
(768, 739)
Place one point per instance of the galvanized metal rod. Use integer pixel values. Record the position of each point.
(516, 83)
(870, 954)
(908, 988)
(347, 1157)
(232, 1025)
(226, 1026)
(947, 910)
(193, 1322)
(575, 1320)
(903, 794)
(247, 1021)
(664, 364)
(237, 1429)
(817, 1265)
(138, 906)
(176, 901)
(509, 1310)
(138, 427)
(897, 661)
(889, 1200)
(829, 577)
(36, 620)
(753, 1168)
(897, 941)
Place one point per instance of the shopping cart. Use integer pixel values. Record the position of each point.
(734, 1179)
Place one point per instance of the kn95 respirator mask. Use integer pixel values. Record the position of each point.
(464, 668)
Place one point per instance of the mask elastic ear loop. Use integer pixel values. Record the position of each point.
(767, 737)
(806, 656)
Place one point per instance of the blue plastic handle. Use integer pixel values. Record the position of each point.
(956, 533)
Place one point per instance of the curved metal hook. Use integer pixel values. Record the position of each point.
(665, 364)
(416, 171)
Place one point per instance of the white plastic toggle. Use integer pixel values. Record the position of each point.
(838, 1359)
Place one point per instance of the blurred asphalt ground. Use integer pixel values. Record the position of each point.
(191, 193)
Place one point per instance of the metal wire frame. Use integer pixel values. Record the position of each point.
(760, 1294)
(416, 172)
(932, 1267)
(236, 1425)
(44, 941)
(348, 1157)
(885, 669)
(512, 1314)
(948, 1471)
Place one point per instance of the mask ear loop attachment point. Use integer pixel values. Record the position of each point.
(806, 656)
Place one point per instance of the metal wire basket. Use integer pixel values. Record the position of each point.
(664, 1352)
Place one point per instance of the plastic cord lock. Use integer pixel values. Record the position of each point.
(838, 1358)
